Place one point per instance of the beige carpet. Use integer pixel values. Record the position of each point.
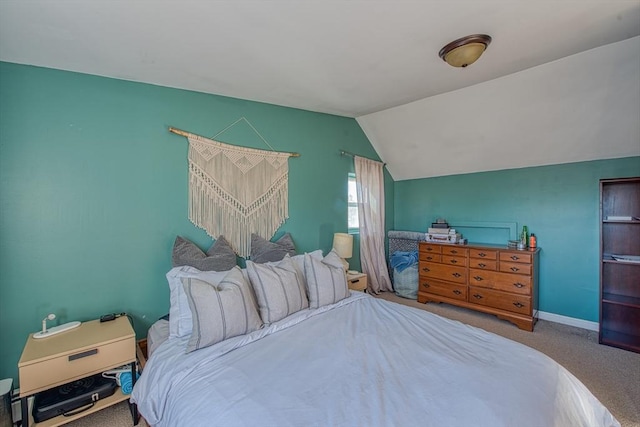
(612, 374)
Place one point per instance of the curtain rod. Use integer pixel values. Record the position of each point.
(347, 153)
(186, 135)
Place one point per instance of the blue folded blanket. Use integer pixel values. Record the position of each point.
(126, 383)
(402, 260)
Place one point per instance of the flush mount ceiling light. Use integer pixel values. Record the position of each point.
(465, 51)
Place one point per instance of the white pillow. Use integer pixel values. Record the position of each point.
(326, 280)
(220, 310)
(298, 262)
(278, 287)
(180, 322)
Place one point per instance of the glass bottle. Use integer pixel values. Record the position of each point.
(524, 237)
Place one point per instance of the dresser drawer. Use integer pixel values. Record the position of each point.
(483, 254)
(514, 267)
(483, 264)
(455, 250)
(519, 256)
(444, 272)
(449, 290)
(500, 281)
(454, 260)
(505, 301)
(430, 257)
(429, 248)
(82, 363)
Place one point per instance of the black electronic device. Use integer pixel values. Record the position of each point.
(111, 316)
(107, 317)
(72, 398)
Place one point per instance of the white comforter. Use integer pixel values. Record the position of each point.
(363, 362)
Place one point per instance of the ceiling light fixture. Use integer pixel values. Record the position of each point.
(465, 51)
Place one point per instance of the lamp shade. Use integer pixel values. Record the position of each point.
(343, 244)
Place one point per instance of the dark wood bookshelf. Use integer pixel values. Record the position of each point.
(620, 279)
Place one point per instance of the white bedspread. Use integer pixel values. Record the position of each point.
(363, 362)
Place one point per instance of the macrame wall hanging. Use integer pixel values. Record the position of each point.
(235, 191)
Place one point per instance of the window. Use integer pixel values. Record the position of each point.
(352, 199)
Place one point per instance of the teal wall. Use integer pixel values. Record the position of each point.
(93, 191)
(558, 203)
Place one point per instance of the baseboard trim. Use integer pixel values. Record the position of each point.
(571, 321)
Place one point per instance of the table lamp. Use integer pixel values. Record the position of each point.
(343, 245)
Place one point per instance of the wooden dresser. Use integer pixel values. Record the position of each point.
(488, 278)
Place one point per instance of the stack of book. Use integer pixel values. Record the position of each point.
(442, 233)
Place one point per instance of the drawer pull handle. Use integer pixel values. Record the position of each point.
(429, 258)
(515, 269)
(482, 254)
(453, 261)
(425, 269)
(482, 265)
(456, 274)
(514, 257)
(477, 296)
(426, 285)
(83, 354)
(478, 278)
(518, 285)
(454, 251)
(429, 249)
(355, 280)
(457, 292)
(518, 304)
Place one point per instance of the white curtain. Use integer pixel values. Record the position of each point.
(370, 190)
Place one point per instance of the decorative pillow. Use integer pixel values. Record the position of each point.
(180, 322)
(220, 310)
(298, 262)
(219, 257)
(263, 250)
(279, 289)
(326, 279)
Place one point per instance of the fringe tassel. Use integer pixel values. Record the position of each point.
(218, 213)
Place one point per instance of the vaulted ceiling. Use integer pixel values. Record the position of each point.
(349, 58)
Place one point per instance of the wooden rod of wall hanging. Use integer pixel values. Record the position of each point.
(186, 135)
(347, 153)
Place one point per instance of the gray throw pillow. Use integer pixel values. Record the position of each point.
(220, 310)
(219, 257)
(263, 250)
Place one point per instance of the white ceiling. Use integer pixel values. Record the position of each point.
(344, 57)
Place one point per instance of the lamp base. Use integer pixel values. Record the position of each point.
(345, 264)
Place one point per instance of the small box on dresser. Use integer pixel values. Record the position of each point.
(488, 278)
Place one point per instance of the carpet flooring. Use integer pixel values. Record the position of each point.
(612, 374)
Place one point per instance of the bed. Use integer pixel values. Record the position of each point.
(283, 342)
(361, 361)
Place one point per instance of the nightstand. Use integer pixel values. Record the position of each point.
(91, 348)
(357, 281)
